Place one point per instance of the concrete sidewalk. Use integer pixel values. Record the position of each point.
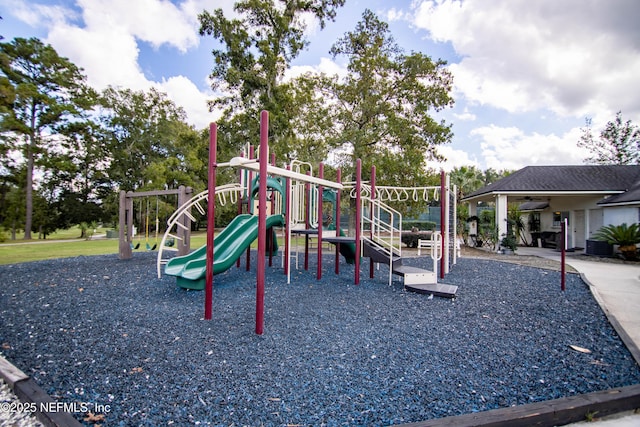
(616, 287)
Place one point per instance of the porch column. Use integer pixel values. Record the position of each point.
(587, 227)
(571, 230)
(501, 215)
(473, 211)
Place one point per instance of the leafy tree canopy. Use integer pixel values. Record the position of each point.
(618, 144)
(382, 110)
(40, 94)
(256, 50)
(143, 131)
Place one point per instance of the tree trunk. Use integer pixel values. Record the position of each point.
(629, 252)
(29, 192)
(31, 148)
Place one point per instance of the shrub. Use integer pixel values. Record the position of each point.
(623, 235)
(509, 242)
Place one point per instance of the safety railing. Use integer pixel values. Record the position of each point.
(382, 231)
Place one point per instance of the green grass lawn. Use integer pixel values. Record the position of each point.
(42, 249)
(66, 243)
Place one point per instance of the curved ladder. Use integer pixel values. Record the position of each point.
(225, 193)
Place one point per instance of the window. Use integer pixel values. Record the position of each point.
(559, 217)
(534, 222)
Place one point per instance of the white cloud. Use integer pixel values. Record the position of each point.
(103, 39)
(572, 57)
(510, 148)
(466, 115)
(326, 66)
(185, 93)
(153, 21)
(394, 14)
(38, 14)
(454, 158)
(108, 58)
(106, 46)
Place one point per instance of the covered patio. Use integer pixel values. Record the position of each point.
(550, 194)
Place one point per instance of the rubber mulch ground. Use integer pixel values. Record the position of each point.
(109, 334)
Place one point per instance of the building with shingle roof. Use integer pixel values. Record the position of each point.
(588, 196)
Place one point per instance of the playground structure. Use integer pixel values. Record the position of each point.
(127, 218)
(296, 202)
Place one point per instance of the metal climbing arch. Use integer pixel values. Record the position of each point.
(183, 218)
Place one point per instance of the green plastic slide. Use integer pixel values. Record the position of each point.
(228, 246)
(348, 250)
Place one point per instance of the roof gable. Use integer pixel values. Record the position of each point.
(579, 178)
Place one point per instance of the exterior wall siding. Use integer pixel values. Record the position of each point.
(617, 215)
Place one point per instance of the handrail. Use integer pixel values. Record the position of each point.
(383, 233)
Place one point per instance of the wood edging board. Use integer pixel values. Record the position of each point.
(26, 389)
(549, 413)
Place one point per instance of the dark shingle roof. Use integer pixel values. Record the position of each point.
(630, 196)
(596, 178)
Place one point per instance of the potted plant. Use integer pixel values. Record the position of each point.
(508, 244)
(626, 237)
(516, 225)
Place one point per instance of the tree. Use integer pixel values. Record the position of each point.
(45, 214)
(141, 130)
(257, 48)
(12, 209)
(39, 91)
(468, 179)
(618, 144)
(86, 159)
(382, 110)
(310, 120)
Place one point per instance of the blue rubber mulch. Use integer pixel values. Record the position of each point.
(106, 332)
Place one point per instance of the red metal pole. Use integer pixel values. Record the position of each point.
(307, 222)
(358, 212)
(287, 225)
(373, 196)
(337, 223)
(563, 248)
(443, 195)
(211, 221)
(321, 176)
(262, 219)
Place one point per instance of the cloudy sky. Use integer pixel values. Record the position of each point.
(527, 73)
